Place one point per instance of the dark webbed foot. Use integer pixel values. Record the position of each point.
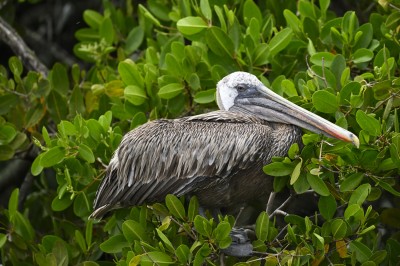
(241, 245)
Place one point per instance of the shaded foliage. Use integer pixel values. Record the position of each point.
(162, 60)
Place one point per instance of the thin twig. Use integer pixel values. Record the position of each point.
(279, 209)
(270, 203)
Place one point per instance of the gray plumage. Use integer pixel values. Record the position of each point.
(216, 156)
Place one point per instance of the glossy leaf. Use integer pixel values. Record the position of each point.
(53, 156)
(368, 123)
(278, 169)
(114, 244)
(363, 253)
(203, 97)
(175, 206)
(351, 182)
(339, 229)
(191, 25)
(280, 41)
(92, 18)
(327, 206)
(170, 91)
(262, 226)
(135, 94)
(360, 194)
(318, 185)
(325, 102)
(219, 42)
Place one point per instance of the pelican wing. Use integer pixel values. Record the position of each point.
(178, 157)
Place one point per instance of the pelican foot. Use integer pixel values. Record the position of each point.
(241, 245)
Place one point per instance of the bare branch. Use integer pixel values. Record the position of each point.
(9, 36)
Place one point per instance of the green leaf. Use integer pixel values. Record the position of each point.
(292, 20)
(320, 241)
(6, 152)
(36, 167)
(354, 211)
(7, 134)
(261, 54)
(92, 18)
(318, 185)
(351, 182)
(360, 194)
(183, 253)
(133, 230)
(202, 225)
(193, 208)
(106, 30)
(105, 120)
(134, 39)
(191, 25)
(130, 73)
(80, 240)
(149, 16)
(324, 59)
(53, 156)
(219, 42)
(278, 169)
(76, 102)
(378, 257)
(296, 172)
(86, 153)
(170, 91)
(59, 79)
(262, 226)
(222, 231)
(204, 97)
(7, 102)
(157, 258)
(87, 34)
(362, 55)
(325, 101)
(66, 128)
(60, 252)
(3, 240)
(339, 229)
(280, 41)
(363, 253)
(15, 66)
(61, 204)
(114, 244)
(324, 5)
(368, 123)
(175, 206)
(327, 206)
(251, 10)
(134, 94)
(288, 88)
(138, 120)
(166, 241)
(349, 24)
(13, 203)
(57, 106)
(23, 227)
(206, 9)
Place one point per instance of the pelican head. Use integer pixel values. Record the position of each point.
(243, 92)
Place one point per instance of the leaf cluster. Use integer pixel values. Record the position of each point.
(162, 59)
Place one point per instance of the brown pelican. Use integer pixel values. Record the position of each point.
(217, 156)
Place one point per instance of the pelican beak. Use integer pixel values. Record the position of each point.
(266, 104)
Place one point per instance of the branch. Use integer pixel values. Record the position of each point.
(9, 36)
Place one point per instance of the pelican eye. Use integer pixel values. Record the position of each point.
(241, 88)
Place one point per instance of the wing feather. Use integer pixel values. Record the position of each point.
(175, 156)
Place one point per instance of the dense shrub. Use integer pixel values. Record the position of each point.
(162, 60)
